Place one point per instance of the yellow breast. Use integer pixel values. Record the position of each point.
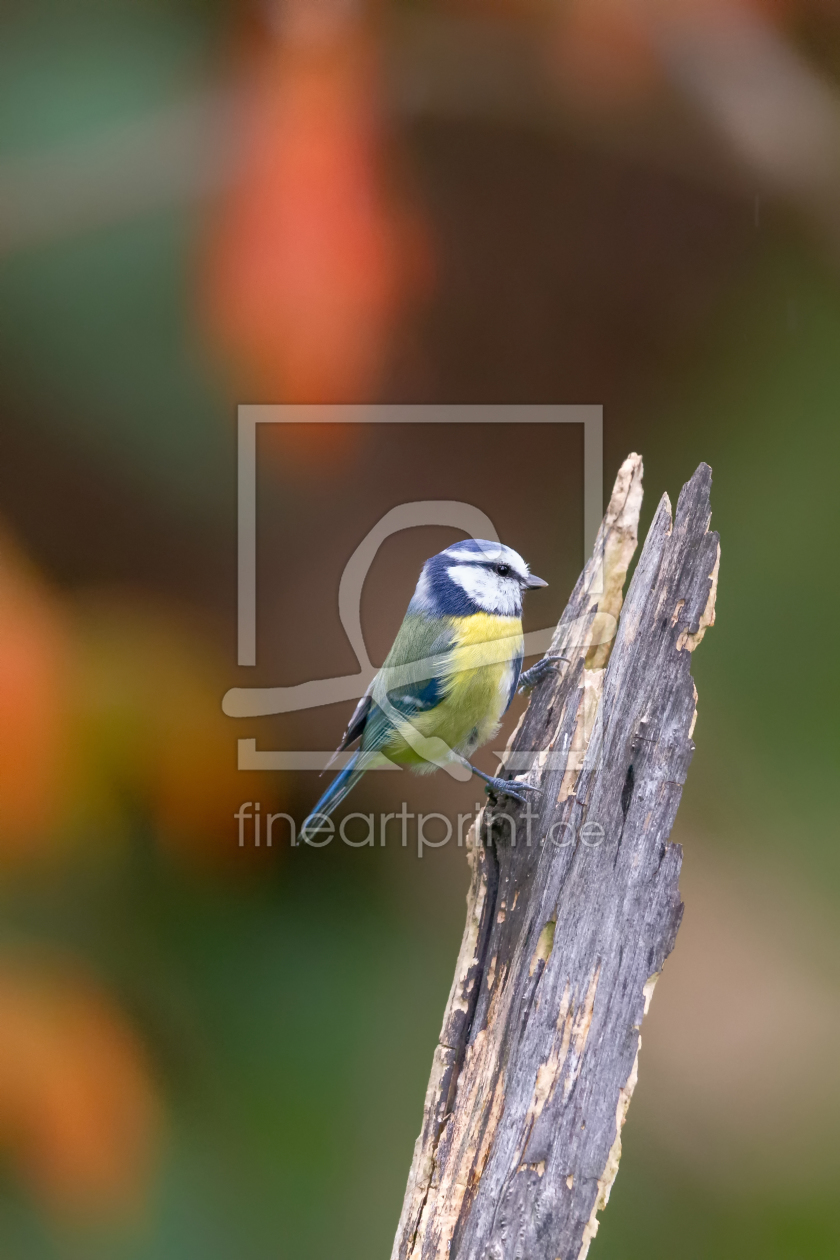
(476, 686)
(484, 640)
(482, 664)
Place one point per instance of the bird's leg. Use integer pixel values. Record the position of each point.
(538, 672)
(505, 787)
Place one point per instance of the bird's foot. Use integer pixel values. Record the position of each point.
(531, 677)
(507, 787)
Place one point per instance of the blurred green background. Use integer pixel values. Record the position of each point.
(208, 1051)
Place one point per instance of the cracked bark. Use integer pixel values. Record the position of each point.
(573, 908)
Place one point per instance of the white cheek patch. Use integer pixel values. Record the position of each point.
(485, 588)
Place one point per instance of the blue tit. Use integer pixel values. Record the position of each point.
(451, 674)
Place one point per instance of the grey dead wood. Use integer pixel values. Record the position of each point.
(568, 928)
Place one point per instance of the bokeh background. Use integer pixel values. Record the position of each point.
(208, 1051)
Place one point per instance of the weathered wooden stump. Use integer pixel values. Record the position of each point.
(573, 908)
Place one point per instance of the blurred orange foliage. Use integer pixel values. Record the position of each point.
(110, 709)
(149, 723)
(314, 254)
(35, 655)
(78, 1111)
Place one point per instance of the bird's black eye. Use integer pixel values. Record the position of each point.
(503, 570)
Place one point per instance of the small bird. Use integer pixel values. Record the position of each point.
(451, 674)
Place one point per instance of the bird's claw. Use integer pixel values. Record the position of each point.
(511, 787)
(542, 669)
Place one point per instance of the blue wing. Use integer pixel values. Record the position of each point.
(408, 700)
(420, 640)
(374, 726)
(357, 722)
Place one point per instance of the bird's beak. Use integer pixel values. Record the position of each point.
(532, 582)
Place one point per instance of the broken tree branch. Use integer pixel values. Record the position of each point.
(573, 907)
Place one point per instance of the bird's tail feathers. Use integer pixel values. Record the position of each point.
(331, 761)
(342, 784)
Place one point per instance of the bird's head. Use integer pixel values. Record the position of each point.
(474, 576)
